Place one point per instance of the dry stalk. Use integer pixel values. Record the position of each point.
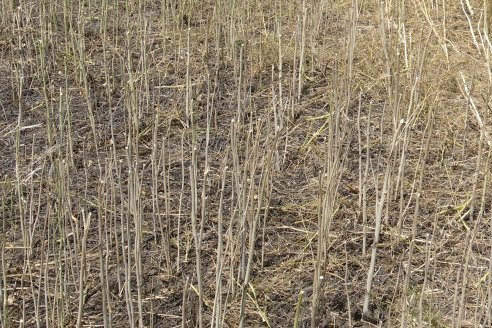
(196, 222)
(218, 309)
(86, 218)
(302, 47)
(254, 220)
(418, 194)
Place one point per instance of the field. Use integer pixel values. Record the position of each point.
(184, 163)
